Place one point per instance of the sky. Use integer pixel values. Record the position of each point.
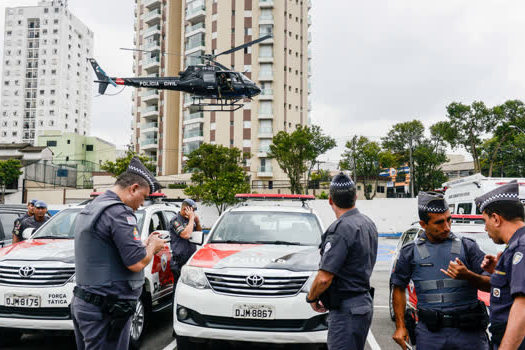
(375, 63)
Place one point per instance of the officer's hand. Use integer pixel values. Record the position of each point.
(318, 306)
(156, 242)
(456, 270)
(190, 212)
(489, 263)
(401, 337)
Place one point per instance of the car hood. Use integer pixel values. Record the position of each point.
(264, 256)
(41, 249)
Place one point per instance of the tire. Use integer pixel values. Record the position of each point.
(139, 322)
(9, 336)
(391, 303)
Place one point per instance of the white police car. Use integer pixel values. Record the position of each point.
(249, 281)
(37, 276)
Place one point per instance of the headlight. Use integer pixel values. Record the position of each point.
(309, 282)
(194, 277)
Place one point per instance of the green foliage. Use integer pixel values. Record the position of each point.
(217, 175)
(321, 176)
(427, 160)
(177, 186)
(120, 165)
(402, 138)
(297, 152)
(9, 173)
(322, 195)
(508, 161)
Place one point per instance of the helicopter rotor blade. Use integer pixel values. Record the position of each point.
(151, 51)
(240, 47)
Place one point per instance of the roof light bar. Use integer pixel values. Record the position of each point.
(301, 197)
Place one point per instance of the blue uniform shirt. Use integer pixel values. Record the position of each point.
(349, 251)
(118, 224)
(181, 249)
(508, 281)
(404, 266)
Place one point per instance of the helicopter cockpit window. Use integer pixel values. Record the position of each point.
(244, 78)
(208, 77)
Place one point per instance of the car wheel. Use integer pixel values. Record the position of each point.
(139, 321)
(391, 303)
(9, 336)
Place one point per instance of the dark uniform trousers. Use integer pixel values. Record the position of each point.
(349, 324)
(92, 327)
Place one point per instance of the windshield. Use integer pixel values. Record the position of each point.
(267, 227)
(62, 225)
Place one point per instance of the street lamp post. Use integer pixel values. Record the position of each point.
(411, 168)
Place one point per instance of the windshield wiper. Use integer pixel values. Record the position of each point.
(232, 241)
(51, 237)
(279, 242)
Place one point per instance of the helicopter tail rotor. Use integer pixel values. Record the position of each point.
(103, 78)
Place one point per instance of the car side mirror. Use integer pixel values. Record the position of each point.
(163, 234)
(28, 232)
(197, 237)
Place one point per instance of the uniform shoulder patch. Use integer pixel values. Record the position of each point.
(176, 223)
(131, 220)
(516, 259)
(327, 247)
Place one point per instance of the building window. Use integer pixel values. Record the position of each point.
(51, 143)
(89, 148)
(68, 142)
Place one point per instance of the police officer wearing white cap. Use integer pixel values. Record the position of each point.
(348, 255)
(504, 218)
(109, 261)
(446, 271)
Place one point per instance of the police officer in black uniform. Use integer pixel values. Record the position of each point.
(109, 260)
(181, 228)
(18, 221)
(38, 218)
(348, 255)
(504, 218)
(446, 272)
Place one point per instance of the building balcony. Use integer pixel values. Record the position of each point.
(266, 95)
(265, 171)
(194, 46)
(149, 127)
(152, 17)
(193, 139)
(152, 45)
(309, 4)
(265, 59)
(264, 4)
(195, 29)
(265, 133)
(309, 20)
(151, 63)
(149, 143)
(151, 95)
(196, 14)
(309, 37)
(266, 20)
(191, 134)
(151, 4)
(191, 118)
(150, 111)
(152, 31)
(265, 115)
(265, 76)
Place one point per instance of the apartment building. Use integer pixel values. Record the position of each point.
(166, 125)
(46, 80)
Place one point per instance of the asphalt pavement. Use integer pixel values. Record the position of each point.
(159, 333)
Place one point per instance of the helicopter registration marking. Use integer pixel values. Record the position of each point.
(149, 83)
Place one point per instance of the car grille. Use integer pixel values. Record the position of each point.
(272, 286)
(50, 313)
(42, 276)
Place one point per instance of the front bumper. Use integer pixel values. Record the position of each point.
(210, 317)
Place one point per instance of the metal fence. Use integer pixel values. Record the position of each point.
(51, 174)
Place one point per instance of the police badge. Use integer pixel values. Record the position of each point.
(518, 256)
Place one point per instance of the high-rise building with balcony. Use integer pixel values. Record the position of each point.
(46, 80)
(167, 126)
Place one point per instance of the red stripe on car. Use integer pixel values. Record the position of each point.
(211, 254)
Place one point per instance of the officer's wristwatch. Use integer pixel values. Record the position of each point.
(311, 301)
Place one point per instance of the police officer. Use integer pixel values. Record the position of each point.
(181, 228)
(446, 272)
(504, 218)
(18, 221)
(38, 218)
(109, 260)
(348, 255)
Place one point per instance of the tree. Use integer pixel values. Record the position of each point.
(297, 152)
(120, 165)
(466, 126)
(427, 161)
(509, 161)
(402, 140)
(366, 159)
(217, 175)
(9, 173)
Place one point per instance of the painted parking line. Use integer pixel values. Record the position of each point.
(372, 341)
(171, 346)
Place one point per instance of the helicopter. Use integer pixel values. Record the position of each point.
(212, 81)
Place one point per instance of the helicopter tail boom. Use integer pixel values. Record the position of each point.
(103, 78)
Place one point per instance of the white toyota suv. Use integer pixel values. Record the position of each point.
(249, 281)
(37, 276)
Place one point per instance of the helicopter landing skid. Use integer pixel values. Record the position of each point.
(222, 105)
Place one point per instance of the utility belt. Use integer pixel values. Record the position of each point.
(332, 298)
(497, 329)
(471, 319)
(119, 310)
